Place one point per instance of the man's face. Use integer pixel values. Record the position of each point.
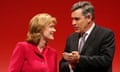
(79, 21)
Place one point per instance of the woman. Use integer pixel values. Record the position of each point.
(35, 55)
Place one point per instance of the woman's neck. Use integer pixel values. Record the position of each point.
(42, 44)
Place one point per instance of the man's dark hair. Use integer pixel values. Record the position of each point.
(86, 7)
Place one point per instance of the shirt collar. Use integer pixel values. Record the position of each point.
(91, 28)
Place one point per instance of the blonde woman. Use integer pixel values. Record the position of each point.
(35, 55)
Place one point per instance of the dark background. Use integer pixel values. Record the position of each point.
(15, 16)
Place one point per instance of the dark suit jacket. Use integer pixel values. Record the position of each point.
(97, 53)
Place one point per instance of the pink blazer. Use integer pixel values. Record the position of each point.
(27, 58)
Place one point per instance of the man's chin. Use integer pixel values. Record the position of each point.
(77, 31)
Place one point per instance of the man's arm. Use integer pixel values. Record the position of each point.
(63, 66)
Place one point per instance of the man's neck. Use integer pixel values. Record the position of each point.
(89, 26)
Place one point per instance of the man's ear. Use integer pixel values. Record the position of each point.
(89, 17)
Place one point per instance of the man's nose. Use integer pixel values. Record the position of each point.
(73, 22)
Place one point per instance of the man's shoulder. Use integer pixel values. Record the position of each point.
(73, 35)
(103, 29)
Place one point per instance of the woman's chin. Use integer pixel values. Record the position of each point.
(52, 38)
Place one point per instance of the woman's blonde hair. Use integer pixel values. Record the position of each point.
(37, 23)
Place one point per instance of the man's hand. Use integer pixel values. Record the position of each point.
(72, 57)
(68, 56)
(76, 56)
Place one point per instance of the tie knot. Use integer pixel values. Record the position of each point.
(83, 34)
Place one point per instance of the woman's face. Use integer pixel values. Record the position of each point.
(48, 31)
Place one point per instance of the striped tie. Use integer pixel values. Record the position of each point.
(82, 42)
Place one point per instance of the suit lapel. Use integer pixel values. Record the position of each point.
(75, 42)
(90, 39)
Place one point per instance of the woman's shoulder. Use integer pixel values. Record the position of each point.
(22, 43)
(24, 46)
(20, 47)
(51, 49)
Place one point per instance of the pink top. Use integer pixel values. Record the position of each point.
(27, 58)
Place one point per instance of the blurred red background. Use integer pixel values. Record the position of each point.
(15, 16)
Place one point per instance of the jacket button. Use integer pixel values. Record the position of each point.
(43, 62)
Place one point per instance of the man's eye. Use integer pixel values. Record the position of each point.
(76, 18)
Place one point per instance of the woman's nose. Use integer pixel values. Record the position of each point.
(54, 29)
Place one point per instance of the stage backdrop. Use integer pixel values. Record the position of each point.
(15, 16)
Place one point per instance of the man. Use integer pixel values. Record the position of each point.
(95, 53)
